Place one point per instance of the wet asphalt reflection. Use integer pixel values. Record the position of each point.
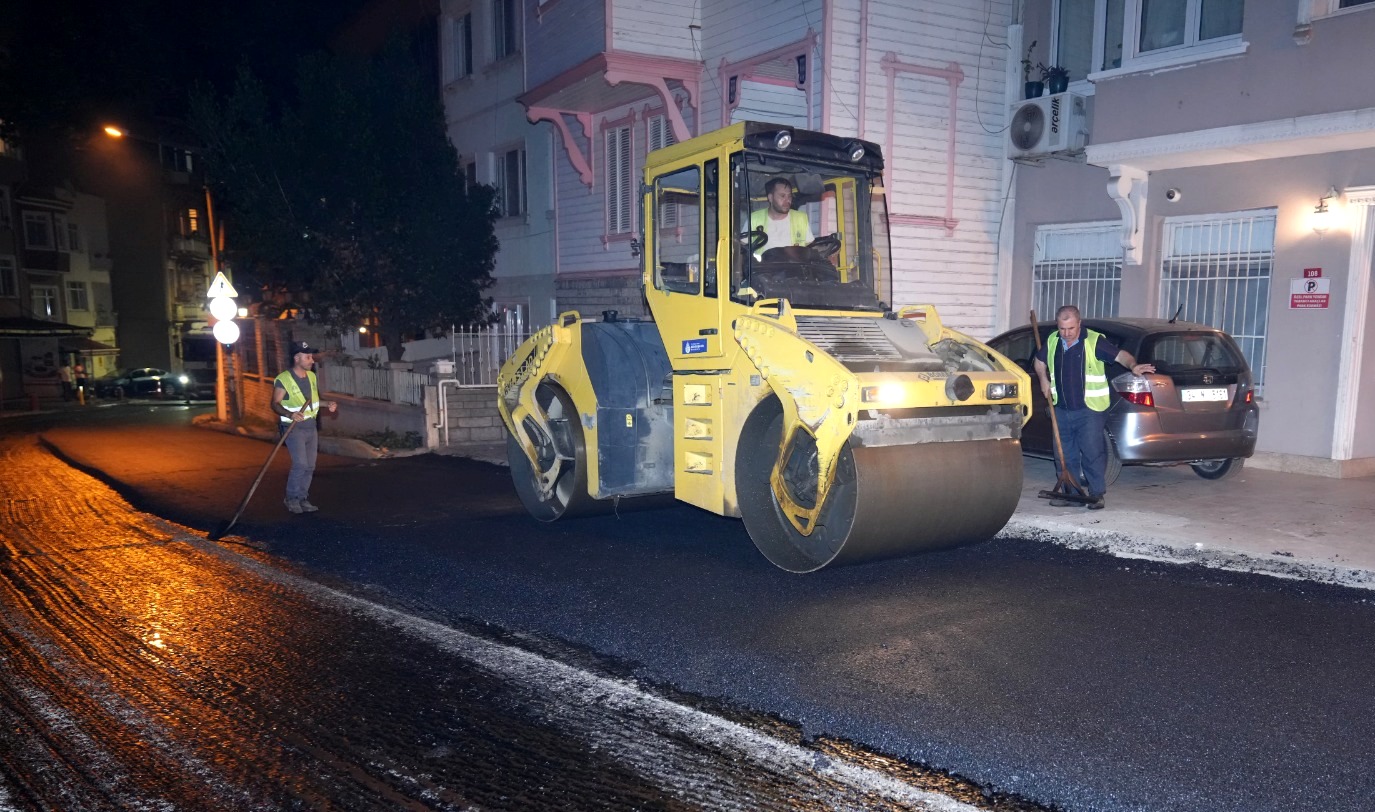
(146, 668)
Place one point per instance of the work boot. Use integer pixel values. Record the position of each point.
(294, 505)
(1097, 503)
(307, 507)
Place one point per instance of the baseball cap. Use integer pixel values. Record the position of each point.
(303, 347)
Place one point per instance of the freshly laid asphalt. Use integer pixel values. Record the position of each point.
(1131, 687)
(1283, 524)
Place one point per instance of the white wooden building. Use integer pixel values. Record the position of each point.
(603, 81)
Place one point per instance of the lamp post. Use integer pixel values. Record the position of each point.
(223, 308)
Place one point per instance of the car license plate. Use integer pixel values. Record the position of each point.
(1196, 395)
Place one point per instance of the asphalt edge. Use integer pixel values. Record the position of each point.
(1150, 549)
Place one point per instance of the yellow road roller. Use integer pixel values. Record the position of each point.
(776, 381)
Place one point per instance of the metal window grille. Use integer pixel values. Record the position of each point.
(1079, 265)
(1216, 270)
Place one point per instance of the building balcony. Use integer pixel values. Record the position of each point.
(190, 247)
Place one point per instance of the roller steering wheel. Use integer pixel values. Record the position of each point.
(754, 240)
(826, 245)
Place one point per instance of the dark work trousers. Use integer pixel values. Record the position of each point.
(1086, 448)
(303, 444)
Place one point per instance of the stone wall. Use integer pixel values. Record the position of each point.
(472, 416)
(592, 295)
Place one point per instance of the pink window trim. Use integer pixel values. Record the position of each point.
(953, 75)
(609, 240)
(744, 70)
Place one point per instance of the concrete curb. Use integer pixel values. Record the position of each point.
(1150, 549)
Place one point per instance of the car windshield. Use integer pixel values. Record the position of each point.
(812, 233)
(1175, 353)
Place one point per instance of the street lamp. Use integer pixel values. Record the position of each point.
(222, 307)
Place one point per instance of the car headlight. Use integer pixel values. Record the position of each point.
(184, 380)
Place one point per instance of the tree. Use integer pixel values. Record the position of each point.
(352, 195)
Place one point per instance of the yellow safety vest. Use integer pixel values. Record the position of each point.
(797, 223)
(295, 399)
(1096, 394)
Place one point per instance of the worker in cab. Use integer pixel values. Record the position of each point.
(783, 224)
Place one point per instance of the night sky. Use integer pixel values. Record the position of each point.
(72, 64)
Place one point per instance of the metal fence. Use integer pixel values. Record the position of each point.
(479, 352)
(394, 385)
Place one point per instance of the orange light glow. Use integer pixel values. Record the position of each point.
(113, 131)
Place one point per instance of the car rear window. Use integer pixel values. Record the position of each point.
(1175, 353)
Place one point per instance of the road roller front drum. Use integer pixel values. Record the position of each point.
(886, 501)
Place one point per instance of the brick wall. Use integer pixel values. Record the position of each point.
(591, 296)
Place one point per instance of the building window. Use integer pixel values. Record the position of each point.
(504, 27)
(44, 300)
(38, 230)
(74, 243)
(1080, 265)
(512, 173)
(9, 278)
(1139, 32)
(77, 298)
(659, 134)
(461, 47)
(6, 219)
(619, 197)
(1215, 270)
(60, 232)
(470, 174)
(176, 159)
(190, 222)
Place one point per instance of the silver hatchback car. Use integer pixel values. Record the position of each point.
(1198, 408)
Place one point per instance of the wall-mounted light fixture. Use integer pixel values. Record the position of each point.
(1322, 213)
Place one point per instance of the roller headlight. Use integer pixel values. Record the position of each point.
(1001, 391)
(882, 394)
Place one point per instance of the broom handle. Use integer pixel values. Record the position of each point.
(1050, 406)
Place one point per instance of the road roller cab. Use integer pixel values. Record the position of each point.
(775, 382)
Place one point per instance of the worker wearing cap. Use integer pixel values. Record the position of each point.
(296, 400)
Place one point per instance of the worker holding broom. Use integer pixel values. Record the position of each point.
(296, 400)
(1072, 368)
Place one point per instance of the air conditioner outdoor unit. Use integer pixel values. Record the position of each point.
(1048, 125)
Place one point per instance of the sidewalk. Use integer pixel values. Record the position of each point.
(1282, 524)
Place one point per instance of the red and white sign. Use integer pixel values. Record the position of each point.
(1312, 273)
(1310, 293)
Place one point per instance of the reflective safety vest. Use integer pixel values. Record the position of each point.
(1096, 395)
(295, 399)
(798, 224)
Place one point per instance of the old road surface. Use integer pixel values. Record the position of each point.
(147, 668)
(422, 644)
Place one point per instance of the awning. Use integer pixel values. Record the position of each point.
(86, 345)
(23, 327)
